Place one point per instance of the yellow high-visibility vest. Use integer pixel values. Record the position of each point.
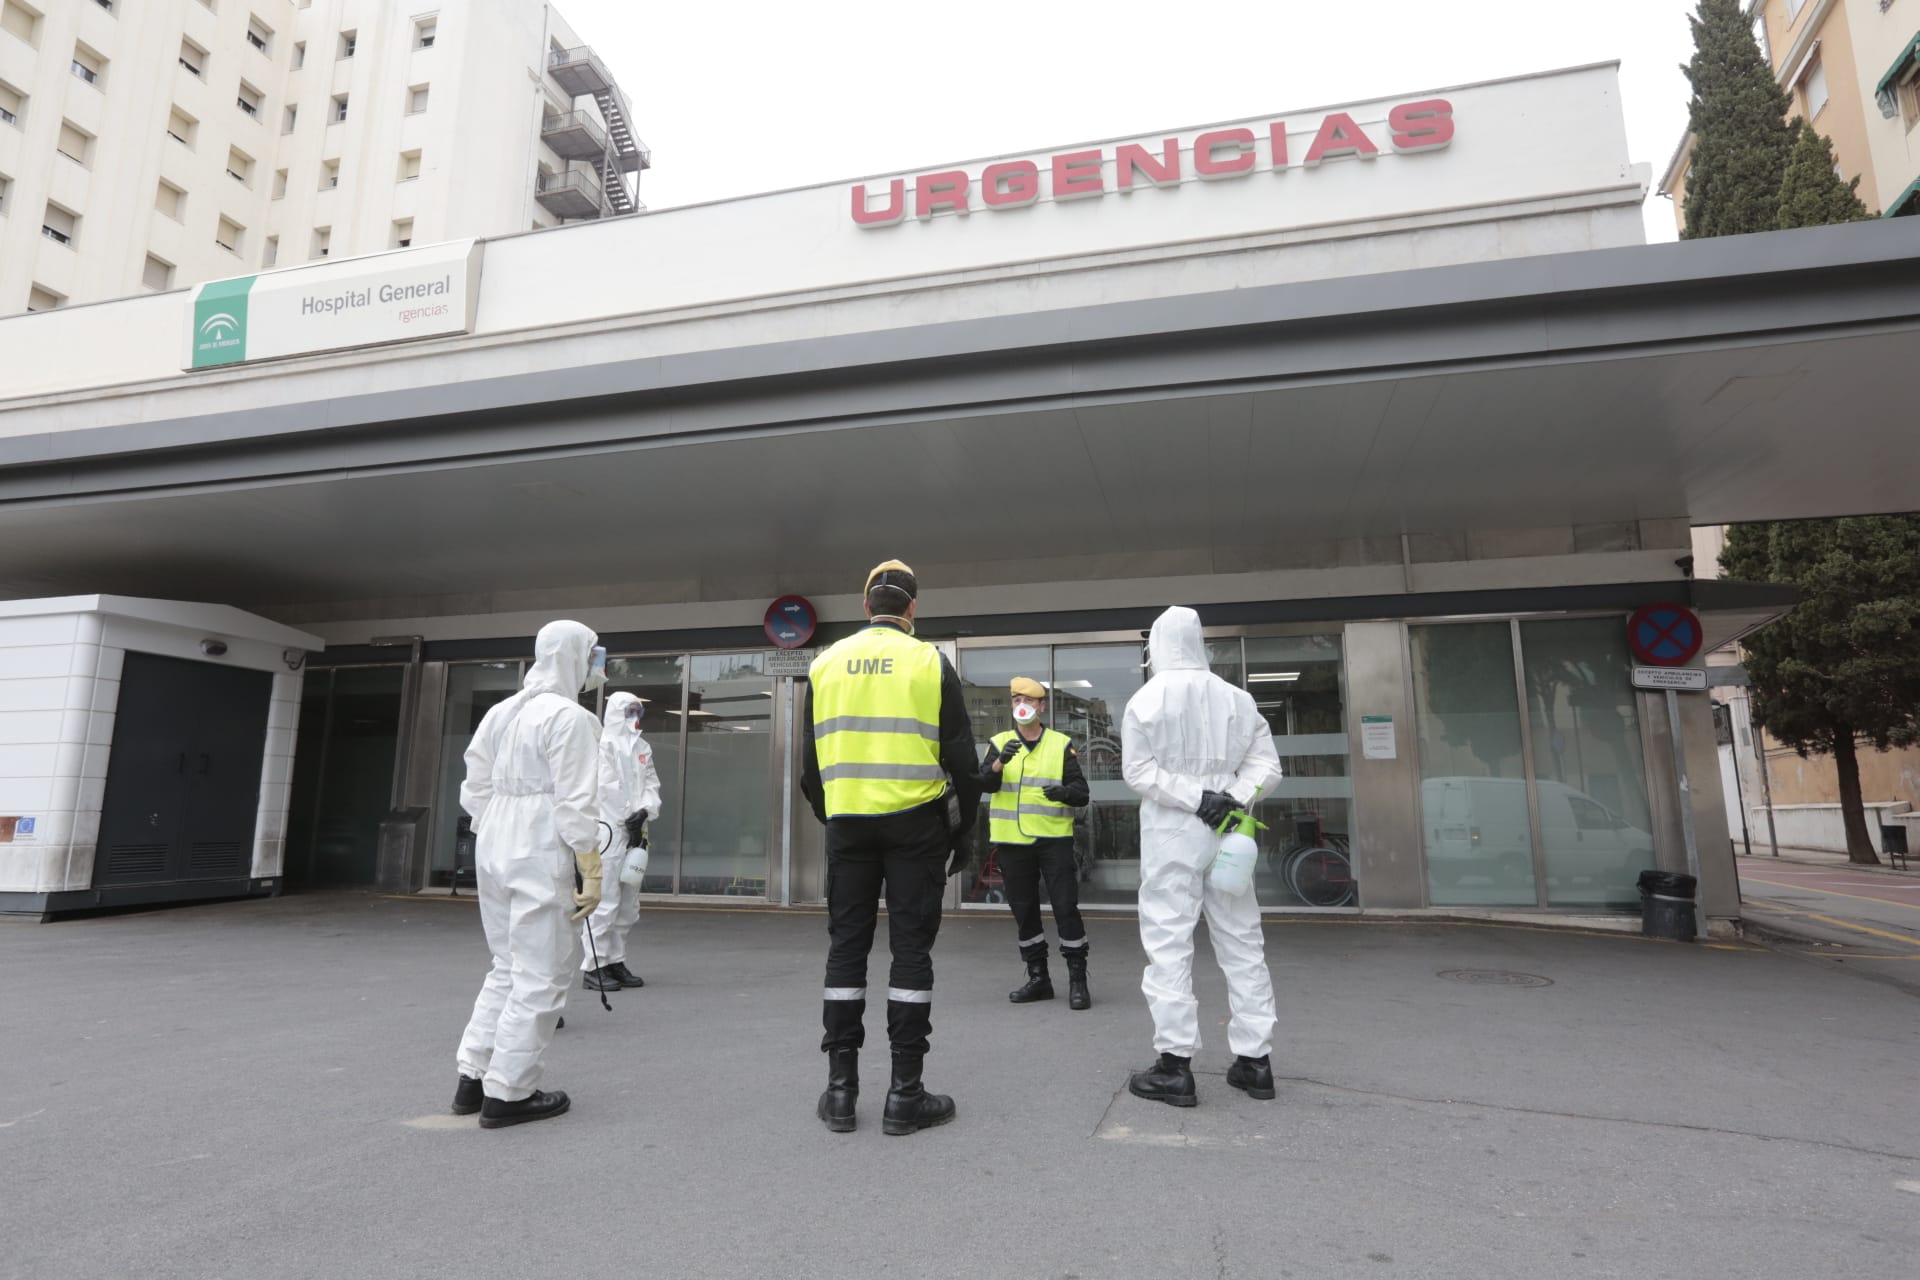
(1020, 812)
(876, 723)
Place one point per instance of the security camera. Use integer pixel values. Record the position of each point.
(1685, 565)
(214, 648)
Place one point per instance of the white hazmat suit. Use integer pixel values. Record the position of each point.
(1186, 732)
(532, 779)
(628, 783)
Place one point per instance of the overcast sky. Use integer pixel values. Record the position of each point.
(737, 96)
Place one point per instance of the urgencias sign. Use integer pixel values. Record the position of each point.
(1216, 155)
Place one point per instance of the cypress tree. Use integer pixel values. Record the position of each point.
(1811, 193)
(1738, 117)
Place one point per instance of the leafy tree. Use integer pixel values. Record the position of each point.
(1811, 193)
(1738, 117)
(1844, 666)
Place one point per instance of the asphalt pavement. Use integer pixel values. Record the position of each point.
(260, 1090)
(1823, 909)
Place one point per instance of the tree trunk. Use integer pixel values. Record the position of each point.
(1853, 812)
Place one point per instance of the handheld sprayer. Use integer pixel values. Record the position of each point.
(1232, 869)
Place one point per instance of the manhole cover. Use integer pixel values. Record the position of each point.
(1495, 978)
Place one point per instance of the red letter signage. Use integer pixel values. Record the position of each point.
(1339, 136)
(1076, 175)
(1010, 185)
(1237, 146)
(1421, 126)
(867, 216)
(1134, 159)
(933, 192)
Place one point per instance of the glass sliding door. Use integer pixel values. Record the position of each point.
(1091, 685)
(660, 684)
(1589, 770)
(346, 778)
(473, 689)
(1475, 809)
(725, 831)
(985, 674)
(1298, 683)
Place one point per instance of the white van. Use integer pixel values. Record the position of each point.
(1479, 827)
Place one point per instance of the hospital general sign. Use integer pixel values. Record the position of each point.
(390, 297)
(1214, 155)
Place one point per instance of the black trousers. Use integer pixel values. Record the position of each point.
(1022, 866)
(903, 855)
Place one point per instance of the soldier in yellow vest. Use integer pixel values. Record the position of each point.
(1033, 774)
(887, 764)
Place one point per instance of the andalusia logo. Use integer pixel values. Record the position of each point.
(220, 322)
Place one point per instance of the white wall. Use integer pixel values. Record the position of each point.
(1821, 826)
(737, 273)
(60, 665)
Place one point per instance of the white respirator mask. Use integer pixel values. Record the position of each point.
(1024, 712)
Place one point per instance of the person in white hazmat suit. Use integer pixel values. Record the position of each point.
(1196, 748)
(531, 788)
(629, 796)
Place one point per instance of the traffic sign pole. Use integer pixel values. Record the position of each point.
(1686, 789)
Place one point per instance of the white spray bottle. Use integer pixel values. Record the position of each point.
(1232, 869)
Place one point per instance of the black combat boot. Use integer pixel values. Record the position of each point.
(468, 1096)
(1169, 1080)
(909, 1106)
(1254, 1076)
(843, 1090)
(601, 980)
(627, 977)
(1039, 985)
(1078, 997)
(539, 1105)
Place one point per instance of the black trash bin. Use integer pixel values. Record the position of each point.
(1666, 905)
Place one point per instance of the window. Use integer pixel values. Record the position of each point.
(279, 184)
(43, 299)
(424, 31)
(249, 100)
(1816, 90)
(193, 58)
(403, 233)
(322, 241)
(1793, 10)
(259, 35)
(347, 41)
(75, 144)
(409, 165)
(272, 253)
(1908, 93)
(158, 274)
(60, 225)
(329, 175)
(13, 105)
(239, 166)
(6, 184)
(1760, 35)
(299, 54)
(230, 235)
(339, 107)
(292, 118)
(171, 201)
(105, 4)
(180, 126)
(88, 65)
(19, 21)
(416, 99)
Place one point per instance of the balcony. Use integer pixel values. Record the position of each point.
(571, 195)
(579, 71)
(575, 135)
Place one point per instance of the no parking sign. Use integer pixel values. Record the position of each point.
(1664, 635)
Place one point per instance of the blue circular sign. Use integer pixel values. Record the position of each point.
(791, 621)
(1664, 635)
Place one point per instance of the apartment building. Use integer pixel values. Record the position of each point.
(1852, 68)
(154, 145)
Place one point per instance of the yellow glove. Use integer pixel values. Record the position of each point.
(587, 897)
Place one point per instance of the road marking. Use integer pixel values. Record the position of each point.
(8, 1124)
(1913, 1187)
(1807, 888)
(1861, 928)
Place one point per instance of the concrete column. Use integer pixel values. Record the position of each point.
(1386, 793)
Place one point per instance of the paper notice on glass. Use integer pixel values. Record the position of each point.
(1376, 738)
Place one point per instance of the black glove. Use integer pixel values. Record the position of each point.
(1055, 793)
(1214, 808)
(636, 825)
(1012, 748)
(958, 862)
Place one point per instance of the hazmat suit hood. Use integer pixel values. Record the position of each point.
(618, 704)
(1175, 643)
(561, 654)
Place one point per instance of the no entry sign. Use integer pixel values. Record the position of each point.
(1664, 635)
